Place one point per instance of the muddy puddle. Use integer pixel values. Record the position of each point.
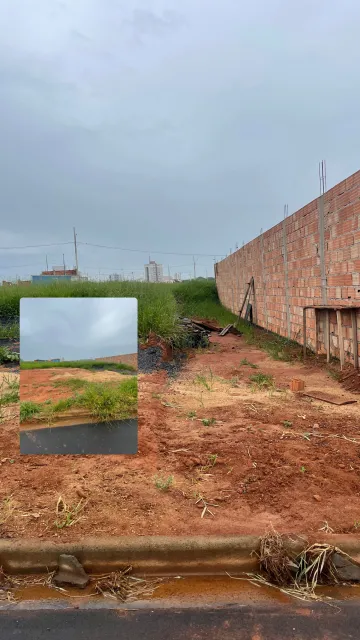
(120, 437)
(179, 591)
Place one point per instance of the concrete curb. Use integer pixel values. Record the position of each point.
(155, 555)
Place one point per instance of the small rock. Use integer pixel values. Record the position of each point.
(341, 466)
(317, 498)
(70, 571)
(347, 570)
(80, 492)
(316, 426)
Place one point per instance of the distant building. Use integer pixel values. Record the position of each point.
(19, 283)
(58, 273)
(115, 277)
(154, 272)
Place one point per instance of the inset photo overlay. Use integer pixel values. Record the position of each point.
(78, 376)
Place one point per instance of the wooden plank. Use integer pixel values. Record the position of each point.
(304, 333)
(317, 328)
(327, 335)
(225, 330)
(250, 284)
(328, 397)
(341, 338)
(355, 338)
(254, 305)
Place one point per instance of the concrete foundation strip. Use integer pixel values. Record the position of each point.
(157, 555)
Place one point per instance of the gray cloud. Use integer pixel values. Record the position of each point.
(77, 328)
(124, 119)
(149, 23)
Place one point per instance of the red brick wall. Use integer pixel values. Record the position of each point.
(130, 359)
(263, 258)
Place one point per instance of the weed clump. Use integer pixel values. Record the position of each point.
(163, 484)
(262, 380)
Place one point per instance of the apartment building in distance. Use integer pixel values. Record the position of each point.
(153, 272)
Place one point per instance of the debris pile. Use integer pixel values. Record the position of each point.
(298, 574)
(196, 334)
(351, 380)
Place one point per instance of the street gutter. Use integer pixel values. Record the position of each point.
(157, 555)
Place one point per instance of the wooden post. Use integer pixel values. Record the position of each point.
(304, 331)
(317, 327)
(355, 338)
(341, 338)
(327, 335)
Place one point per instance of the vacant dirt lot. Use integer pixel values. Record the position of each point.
(254, 456)
(39, 385)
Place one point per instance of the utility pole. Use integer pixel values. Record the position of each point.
(169, 272)
(47, 266)
(76, 254)
(64, 263)
(194, 268)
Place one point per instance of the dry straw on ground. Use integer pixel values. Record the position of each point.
(296, 575)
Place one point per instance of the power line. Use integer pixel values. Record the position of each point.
(167, 253)
(20, 266)
(103, 246)
(35, 246)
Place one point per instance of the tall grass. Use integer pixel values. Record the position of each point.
(157, 308)
(102, 401)
(77, 364)
(200, 298)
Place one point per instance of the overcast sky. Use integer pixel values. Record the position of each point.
(168, 125)
(77, 328)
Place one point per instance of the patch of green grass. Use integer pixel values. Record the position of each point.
(208, 422)
(245, 363)
(213, 459)
(262, 380)
(74, 384)
(276, 346)
(29, 410)
(8, 356)
(9, 391)
(191, 415)
(287, 424)
(204, 380)
(103, 402)
(110, 403)
(9, 331)
(200, 298)
(77, 364)
(11, 397)
(163, 484)
(303, 469)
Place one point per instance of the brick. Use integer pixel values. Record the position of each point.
(342, 262)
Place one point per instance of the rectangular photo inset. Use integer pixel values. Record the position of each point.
(78, 376)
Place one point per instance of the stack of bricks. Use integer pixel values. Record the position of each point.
(287, 263)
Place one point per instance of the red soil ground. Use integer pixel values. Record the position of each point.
(266, 472)
(39, 385)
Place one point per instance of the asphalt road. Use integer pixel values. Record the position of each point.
(279, 622)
